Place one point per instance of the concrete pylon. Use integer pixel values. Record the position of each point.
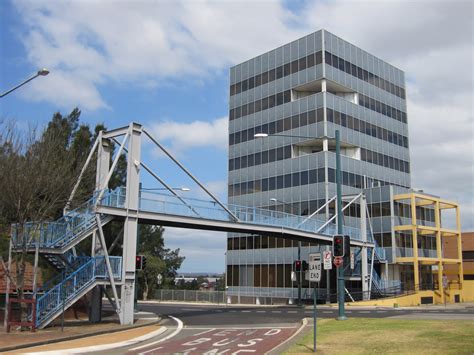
(131, 225)
(103, 166)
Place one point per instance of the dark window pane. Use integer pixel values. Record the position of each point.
(272, 127)
(296, 179)
(232, 90)
(311, 117)
(302, 63)
(294, 66)
(244, 85)
(271, 101)
(295, 121)
(287, 152)
(264, 78)
(328, 58)
(279, 182)
(258, 106)
(319, 57)
(287, 69)
(310, 60)
(287, 124)
(271, 155)
(304, 177)
(330, 115)
(264, 103)
(265, 157)
(251, 82)
(279, 126)
(279, 154)
(258, 80)
(251, 108)
(287, 180)
(279, 72)
(287, 96)
(304, 119)
(271, 75)
(320, 115)
(265, 184)
(279, 99)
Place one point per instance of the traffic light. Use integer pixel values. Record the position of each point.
(139, 262)
(305, 265)
(143, 262)
(297, 265)
(338, 245)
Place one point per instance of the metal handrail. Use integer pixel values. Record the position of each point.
(72, 285)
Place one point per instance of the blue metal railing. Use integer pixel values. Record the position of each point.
(58, 233)
(196, 208)
(72, 285)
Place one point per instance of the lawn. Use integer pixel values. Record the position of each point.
(389, 336)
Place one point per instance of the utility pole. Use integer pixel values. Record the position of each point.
(340, 271)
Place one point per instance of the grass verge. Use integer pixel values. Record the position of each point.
(389, 336)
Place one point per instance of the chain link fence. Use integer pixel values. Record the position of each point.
(191, 296)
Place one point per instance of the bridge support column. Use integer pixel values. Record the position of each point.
(103, 166)
(131, 226)
(364, 256)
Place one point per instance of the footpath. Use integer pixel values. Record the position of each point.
(80, 333)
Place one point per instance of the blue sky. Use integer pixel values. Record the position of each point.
(166, 63)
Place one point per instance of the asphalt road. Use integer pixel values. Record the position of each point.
(212, 315)
(230, 329)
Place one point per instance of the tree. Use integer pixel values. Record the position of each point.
(159, 260)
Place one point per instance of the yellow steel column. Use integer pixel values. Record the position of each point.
(459, 240)
(438, 250)
(416, 271)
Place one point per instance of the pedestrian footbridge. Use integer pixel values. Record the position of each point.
(80, 274)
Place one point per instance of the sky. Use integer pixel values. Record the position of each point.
(166, 65)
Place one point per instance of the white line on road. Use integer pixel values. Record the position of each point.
(364, 311)
(261, 311)
(207, 331)
(276, 311)
(381, 311)
(291, 312)
(177, 330)
(245, 311)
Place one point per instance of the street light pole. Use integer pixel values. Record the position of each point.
(41, 72)
(340, 271)
(300, 274)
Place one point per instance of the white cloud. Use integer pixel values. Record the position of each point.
(146, 44)
(196, 246)
(185, 136)
(142, 44)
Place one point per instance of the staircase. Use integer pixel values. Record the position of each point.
(72, 287)
(78, 274)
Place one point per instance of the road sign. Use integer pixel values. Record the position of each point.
(314, 267)
(338, 261)
(327, 258)
(445, 281)
(159, 279)
(352, 260)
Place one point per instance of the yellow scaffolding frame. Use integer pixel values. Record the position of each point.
(416, 200)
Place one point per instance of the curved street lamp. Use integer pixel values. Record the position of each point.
(41, 72)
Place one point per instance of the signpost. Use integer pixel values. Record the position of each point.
(327, 257)
(314, 271)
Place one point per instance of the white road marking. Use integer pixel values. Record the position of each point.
(177, 330)
(364, 312)
(192, 309)
(291, 312)
(207, 331)
(276, 311)
(381, 311)
(245, 311)
(261, 311)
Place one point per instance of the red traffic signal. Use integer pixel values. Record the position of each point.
(140, 262)
(338, 245)
(297, 265)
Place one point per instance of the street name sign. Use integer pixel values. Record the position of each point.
(352, 260)
(314, 267)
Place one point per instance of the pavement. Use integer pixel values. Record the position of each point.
(201, 328)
